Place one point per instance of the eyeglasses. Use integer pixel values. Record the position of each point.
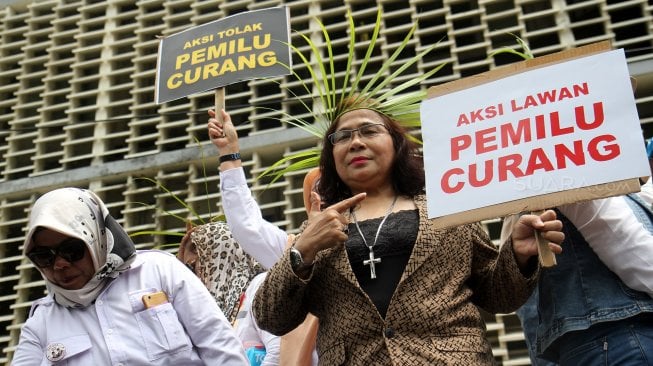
(364, 131)
(71, 250)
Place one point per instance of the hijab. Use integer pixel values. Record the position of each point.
(79, 213)
(223, 266)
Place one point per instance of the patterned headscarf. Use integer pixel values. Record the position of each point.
(223, 266)
(79, 213)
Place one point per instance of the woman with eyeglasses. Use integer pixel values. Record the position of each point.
(109, 304)
(387, 286)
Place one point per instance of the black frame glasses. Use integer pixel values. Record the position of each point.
(71, 250)
(365, 131)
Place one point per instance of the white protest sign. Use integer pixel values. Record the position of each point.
(560, 127)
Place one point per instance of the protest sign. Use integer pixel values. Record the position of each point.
(532, 136)
(240, 47)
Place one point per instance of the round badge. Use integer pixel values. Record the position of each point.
(55, 352)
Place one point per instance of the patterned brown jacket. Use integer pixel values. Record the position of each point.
(432, 318)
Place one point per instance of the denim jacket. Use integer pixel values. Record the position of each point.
(581, 291)
(641, 210)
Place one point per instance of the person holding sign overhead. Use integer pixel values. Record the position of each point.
(264, 241)
(388, 286)
(109, 304)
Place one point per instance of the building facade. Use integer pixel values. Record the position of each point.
(77, 108)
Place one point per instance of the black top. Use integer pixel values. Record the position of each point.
(394, 246)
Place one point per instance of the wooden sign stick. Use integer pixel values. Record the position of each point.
(545, 255)
(219, 105)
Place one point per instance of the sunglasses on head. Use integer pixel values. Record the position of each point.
(71, 250)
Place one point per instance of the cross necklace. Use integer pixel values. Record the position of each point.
(373, 261)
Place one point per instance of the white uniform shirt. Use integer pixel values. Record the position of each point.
(264, 241)
(117, 329)
(249, 332)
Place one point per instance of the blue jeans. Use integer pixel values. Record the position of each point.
(527, 315)
(625, 342)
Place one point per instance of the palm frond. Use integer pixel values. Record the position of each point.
(319, 125)
(160, 210)
(314, 130)
(190, 209)
(322, 85)
(526, 55)
(331, 76)
(329, 97)
(351, 48)
(157, 232)
(221, 218)
(368, 54)
(386, 66)
(297, 161)
(175, 197)
(206, 180)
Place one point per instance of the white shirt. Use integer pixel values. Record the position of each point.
(249, 332)
(646, 192)
(623, 244)
(259, 238)
(117, 329)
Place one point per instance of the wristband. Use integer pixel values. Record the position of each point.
(229, 157)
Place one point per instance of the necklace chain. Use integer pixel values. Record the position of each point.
(372, 261)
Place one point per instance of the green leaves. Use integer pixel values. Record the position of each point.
(160, 186)
(292, 163)
(333, 100)
(197, 218)
(526, 55)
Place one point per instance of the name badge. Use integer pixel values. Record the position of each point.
(55, 352)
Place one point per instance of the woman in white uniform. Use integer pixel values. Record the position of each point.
(109, 304)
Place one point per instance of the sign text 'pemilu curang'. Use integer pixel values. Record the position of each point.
(240, 47)
(570, 125)
(601, 147)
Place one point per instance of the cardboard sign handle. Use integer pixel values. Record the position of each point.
(545, 255)
(219, 104)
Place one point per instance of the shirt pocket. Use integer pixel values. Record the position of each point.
(159, 326)
(76, 349)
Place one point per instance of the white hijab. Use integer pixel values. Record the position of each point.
(79, 213)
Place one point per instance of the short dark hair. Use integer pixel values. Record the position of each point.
(407, 172)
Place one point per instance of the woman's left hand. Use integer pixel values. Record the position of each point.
(223, 134)
(524, 242)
